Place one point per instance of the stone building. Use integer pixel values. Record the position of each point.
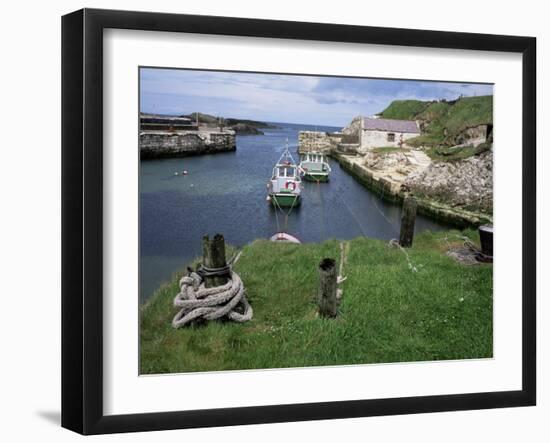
(370, 132)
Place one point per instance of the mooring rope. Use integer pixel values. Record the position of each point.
(354, 216)
(286, 214)
(196, 301)
(344, 250)
(392, 224)
(394, 243)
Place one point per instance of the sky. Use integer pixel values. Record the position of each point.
(315, 100)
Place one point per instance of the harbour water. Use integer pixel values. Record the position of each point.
(226, 193)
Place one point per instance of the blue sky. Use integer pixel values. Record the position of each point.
(331, 101)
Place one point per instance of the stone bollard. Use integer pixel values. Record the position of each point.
(408, 217)
(327, 299)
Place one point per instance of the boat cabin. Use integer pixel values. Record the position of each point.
(284, 171)
(313, 162)
(314, 157)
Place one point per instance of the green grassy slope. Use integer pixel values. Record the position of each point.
(388, 312)
(443, 120)
(404, 109)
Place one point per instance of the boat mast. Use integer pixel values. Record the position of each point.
(287, 155)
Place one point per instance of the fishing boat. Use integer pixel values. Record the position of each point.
(314, 167)
(284, 188)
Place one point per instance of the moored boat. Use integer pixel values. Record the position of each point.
(284, 187)
(283, 237)
(314, 167)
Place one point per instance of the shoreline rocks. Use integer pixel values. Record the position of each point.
(464, 183)
(395, 175)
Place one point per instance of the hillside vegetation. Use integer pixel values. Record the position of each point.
(442, 121)
(404, 109)
(215, 120)
(442, 311)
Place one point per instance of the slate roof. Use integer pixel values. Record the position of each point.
(390, 125)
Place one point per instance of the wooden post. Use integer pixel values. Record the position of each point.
(328, 303)
(408, 217)
(213, 256)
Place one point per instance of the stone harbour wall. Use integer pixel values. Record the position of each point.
(458, 216)
(181, 144)
(317, 141)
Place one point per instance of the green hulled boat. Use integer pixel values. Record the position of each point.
(314, 167)
(284, 188)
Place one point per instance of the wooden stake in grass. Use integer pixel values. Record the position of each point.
(408, 217)
(327, 300)
(213, 257)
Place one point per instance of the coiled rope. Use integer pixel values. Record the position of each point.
(469, 253)
(198, 302)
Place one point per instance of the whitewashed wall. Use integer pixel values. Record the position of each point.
(379, 139)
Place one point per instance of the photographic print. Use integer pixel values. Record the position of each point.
(290, 221)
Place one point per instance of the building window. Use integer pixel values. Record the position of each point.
(391, 137)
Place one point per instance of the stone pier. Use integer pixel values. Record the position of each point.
(158, 144)
(316, 141)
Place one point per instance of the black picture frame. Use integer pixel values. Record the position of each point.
(82, 219)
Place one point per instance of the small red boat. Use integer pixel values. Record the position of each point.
(283, 237)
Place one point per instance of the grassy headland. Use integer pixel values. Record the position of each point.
(240, 126)
(443, 120)
(389, 313)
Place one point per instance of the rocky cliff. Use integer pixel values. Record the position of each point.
(467, 183)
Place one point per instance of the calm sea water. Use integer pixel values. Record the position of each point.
(226, 193)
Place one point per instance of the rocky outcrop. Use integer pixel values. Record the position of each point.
(473, 136)
(395, 162)
(181, 144)
(354, 128)
(466, 183)
(391, 187)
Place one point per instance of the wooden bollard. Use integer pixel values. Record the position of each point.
(327, 300)
(408, 217)
(213, 256)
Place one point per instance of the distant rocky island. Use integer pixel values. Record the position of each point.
(240, 126)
